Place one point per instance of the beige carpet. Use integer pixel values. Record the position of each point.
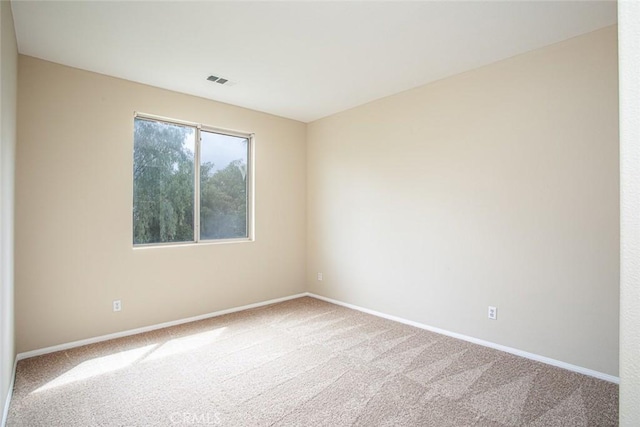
(301, 363)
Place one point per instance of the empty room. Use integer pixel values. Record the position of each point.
(280, 213)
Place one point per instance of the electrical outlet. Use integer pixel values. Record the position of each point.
(320, 277)
(117, 305)
(493, 313)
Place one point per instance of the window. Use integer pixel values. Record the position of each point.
(191, 183)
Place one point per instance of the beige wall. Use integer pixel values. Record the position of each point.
(73, 212)
(498, 187)
(8, 88)
(629, 21)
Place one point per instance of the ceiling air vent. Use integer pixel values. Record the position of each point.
(220, 80)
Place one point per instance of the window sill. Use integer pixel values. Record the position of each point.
(191, 244)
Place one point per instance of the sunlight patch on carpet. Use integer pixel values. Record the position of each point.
(185, 344)
(98, 366)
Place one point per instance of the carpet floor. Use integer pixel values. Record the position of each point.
(302, 362)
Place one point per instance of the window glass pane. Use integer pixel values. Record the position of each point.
(163, 182)
(223, 186)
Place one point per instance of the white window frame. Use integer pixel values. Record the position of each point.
(198, 129)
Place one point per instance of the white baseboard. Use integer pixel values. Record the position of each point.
(521, 353)
(79, 343)
(515, 351)
(5, 412)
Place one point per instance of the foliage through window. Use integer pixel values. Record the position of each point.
(190, 183)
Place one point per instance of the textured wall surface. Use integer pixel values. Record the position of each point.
(629, 21)
(8, 89)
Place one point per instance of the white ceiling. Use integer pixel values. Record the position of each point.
(302, 60)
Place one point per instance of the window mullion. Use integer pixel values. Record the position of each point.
(196, 186)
